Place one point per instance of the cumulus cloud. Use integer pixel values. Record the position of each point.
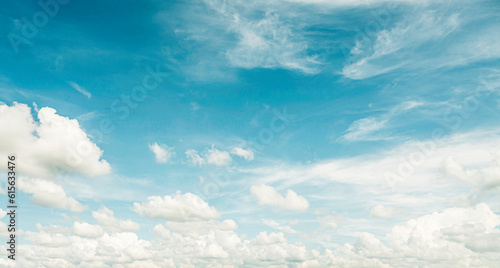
(195, 158)
(447, 234)
(199, 228)
(48, 194)
(267, 195)
(211, 156)
(162, 152)
(53, 144)
(246, 154)
(179, 207)
(218, 158)
(221, 245)
(264, 238)
(61, 250)
(87, 230)
(105, 217)
(454, 237)
(460, 168)
(452, 168)
(448, 238)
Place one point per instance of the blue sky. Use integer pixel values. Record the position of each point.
(293, 133)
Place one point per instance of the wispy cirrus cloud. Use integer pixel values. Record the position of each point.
(267, 34)
(269, 43)
(370, 128)
(397, 47)
(355, 3)
(80, 89)
(250, 35)
(440, 36)
(412, 164)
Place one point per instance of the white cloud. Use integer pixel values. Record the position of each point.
(329, 221)
(117, 249)
(485, 174)
(267, 195)
(48, 194)
(407, 176)
(80, 89)
(381, 211)
(444, 239)
(162, 152)
(180, 207)
(363, 129)
(87, 230)
(199, 228)
(195, 158)
(55, 144)
(219, 245)
(454, 237)
(400, 47)
(352, 3)
(52, 240)
(247, 154)
(211, 156)
(105, 217)
(405, 37)
(444, 232)
(273, 224)
(246, 40)
(268, 43)
(369, 129)
(214, 242)
(452, 168)
(218, 158)
(470, 50)
(264, 238)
